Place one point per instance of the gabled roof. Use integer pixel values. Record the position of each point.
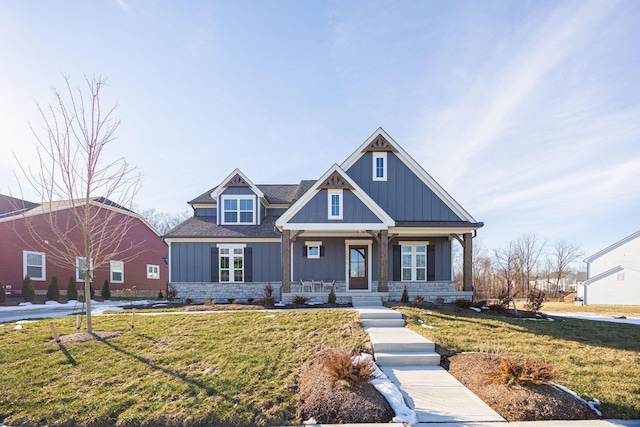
(373, 142)
(276, 194)
(236, 178)
(206, 227)
(9, 205)
(612, 247)
(311, 192)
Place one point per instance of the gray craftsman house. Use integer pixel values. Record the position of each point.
(374, 224)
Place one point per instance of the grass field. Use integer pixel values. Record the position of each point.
(200, 369)
(600, 359)
(602, 310)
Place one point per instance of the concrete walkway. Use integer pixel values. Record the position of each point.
(411, 363)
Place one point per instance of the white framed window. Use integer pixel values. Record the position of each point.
(620, 276)
(34, 264)
(80, 267)
(231, 263)
(238, 209)
(414, 261)
(380, 166)
(313, 249)
(116, 269)
(334, 201)
(153, 271)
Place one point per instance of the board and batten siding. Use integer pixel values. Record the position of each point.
(403, 195)
(354, 211)
(439, 259)
(191, 261)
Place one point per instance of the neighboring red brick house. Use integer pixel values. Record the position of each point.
(20, 254)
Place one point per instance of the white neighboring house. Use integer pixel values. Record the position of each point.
(613, 274)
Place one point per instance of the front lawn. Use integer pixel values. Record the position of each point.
(602, 310)
(598, 358)
(184, 370)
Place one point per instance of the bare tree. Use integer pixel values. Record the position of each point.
(528, 251)
(164, 221)
(73, 172)
(562, 254)
(506, 262)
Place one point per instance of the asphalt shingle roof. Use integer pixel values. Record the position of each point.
(10, 204)
(274, 193)
(206, 227)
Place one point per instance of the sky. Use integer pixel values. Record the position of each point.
(526, 112)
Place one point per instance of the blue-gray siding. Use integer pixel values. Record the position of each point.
(354, 211)
(442, 261)
(191, 261)
(403, 196)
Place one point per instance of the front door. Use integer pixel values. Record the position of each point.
(358, 279)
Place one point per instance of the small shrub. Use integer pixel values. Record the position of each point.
(480, 304)
(172, 293)
(267, 301)
(28, 293)
(189, 301)
(299, 300)
(535, 300)
(209, 301)
(332, 297)
(520, 372)
(463, 303)
(72, 291)
(53, 292)
(231, 300)
(344, 372)
(405, 295)
(268, 290)
(418, 300)
(3, 296)
(160, 295)
(106, 292)
(249, 300)
(439, 300)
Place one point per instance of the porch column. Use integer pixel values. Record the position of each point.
(383, 262)
(467, 284)
(286, 261)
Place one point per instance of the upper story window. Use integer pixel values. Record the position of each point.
(414, 262)
(379, 166)
(238, 209)
(117, 271)
(33, 264)
(334, 203)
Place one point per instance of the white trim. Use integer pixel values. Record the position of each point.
(282, 222)
(361, 242)
(25, 254)
(220, 188)
(413, 242)
(604, 274)
(334, 227)
(415, 168)
(414, 264)
(222, 239)
(204, 205)
(330, 194)
(111, 271)
(309, 244)
(153, 274)
(612, 247)
(78, 279)
(238, 211)
(380, 155)
(169, 259)
(231, 245)
(231, 255)
(435, 231)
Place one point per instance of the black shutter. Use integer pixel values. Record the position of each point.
(248, 265)
(215, 265)
(397, 263)
(321, 250)
(431, 263)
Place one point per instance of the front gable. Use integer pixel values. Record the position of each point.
(238, 200)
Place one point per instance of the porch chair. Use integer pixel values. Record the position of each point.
(327, 285)
(306, 284)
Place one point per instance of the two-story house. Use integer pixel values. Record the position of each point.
(374, 224)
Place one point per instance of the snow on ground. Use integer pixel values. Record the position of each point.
(594, 316)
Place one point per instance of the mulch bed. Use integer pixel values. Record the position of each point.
(452, 308)
(85, 337)
(229, 307)
(337, 404)
(527, 402)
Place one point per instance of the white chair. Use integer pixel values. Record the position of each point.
(306, 284)
(327, 285)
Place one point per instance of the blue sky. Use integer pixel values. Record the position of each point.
(527, 113)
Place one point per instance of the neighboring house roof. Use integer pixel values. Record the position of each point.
(612, 247)
(207, 227)
(9, 205)
(415, 168)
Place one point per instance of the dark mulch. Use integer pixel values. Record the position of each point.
(223, 307)
(452, 308)
(84, 337)
(527, 402)
(337, 404)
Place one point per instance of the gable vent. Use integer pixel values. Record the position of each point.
(380, 144)
(335, 180)
(236, 181)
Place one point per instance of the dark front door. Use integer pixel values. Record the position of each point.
(358, 268)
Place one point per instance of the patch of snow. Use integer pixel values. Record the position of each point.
(314, 302)
(19, 322)
(404, 414)
(17, 327)
(420, 321)
(279, 304)
(162, 304)
(485, 307)
(590, 403)
(476, 309)
(270, 316)
(428, 313)
(594, 316)
(24, 304)
(52, 303)
(428, 326)
(311, 421)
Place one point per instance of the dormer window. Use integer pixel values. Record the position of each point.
(334, 201)
(379, 166)
(238, 209)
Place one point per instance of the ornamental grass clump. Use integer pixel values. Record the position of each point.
(513, 371)
(346, 372)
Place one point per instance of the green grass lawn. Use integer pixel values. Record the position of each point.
(198, 369)
(603, 310)
(601, 359)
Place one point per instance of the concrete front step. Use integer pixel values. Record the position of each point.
(379, 313)
(366, 301)
(383, 323)
(388, 340)
(407, 358)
